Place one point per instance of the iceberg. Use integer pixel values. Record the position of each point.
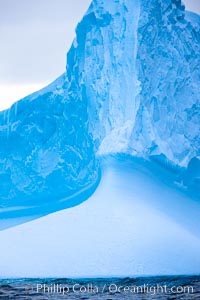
(120, 129)
(130, 87)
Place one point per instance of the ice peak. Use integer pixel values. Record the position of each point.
(130, 87)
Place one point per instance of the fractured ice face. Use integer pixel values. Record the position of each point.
(140, 71)
(46, 151)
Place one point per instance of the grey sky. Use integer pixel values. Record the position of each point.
(192, 5)
(35, 36)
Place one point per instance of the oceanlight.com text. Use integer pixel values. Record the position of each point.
(113, 288)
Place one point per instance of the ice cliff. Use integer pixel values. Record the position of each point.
(131, 86)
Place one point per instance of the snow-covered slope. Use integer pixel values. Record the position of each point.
(131, 86)
(145, 228)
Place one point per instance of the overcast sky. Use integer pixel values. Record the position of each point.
(35, 36)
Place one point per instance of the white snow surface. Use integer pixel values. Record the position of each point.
(134, 224)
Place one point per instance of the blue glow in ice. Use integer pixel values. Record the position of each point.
(131, 86)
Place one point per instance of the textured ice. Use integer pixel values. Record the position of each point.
(46, 150)
(131, 86)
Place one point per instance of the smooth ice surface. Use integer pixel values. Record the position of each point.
(134, 224)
